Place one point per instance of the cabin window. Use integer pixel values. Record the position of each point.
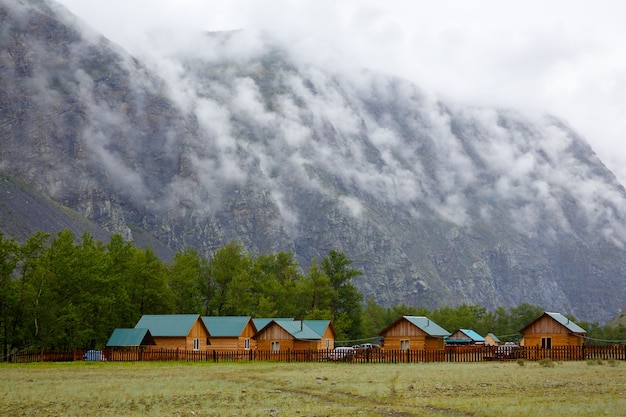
(404, 345)
(275, 346)
(327, 343)
(196, 344)
(546, 343)
(246, 344)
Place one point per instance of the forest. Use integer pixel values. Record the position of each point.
(62, 292)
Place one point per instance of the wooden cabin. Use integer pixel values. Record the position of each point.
(287, 334)
(492, 340)
(231, 333)
(464, 337)
(176, 331)
(551, 330)
(415, 333)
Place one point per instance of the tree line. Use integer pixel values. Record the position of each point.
(60, 292)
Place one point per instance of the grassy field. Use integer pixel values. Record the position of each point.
(313, 389)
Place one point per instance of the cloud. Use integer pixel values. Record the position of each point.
(562, 57)
(329, 116)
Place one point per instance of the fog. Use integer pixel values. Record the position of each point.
(329, 107)
(561, 57)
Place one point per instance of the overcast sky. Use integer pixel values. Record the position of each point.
(565, 57)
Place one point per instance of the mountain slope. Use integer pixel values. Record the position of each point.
(233, 137)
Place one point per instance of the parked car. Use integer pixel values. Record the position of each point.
(342, 353)
(508, 350)
(365, 346)
(94, 355)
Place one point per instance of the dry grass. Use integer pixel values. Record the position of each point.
(312, 389)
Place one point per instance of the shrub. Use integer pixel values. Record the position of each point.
(546, 363)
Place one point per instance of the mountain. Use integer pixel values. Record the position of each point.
(618, 320)
(24, 211)
(237, 136)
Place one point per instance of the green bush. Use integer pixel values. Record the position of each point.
(546, 363)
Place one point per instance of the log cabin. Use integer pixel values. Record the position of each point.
(288, 334)
(492, 340)
(464, 337)
(552, 330)
(415, 333)
(177, 331)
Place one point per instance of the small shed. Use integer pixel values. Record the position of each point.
(176, 331)
(281, 334)
(414, 332)
(551, 330)
(492, 340)
(230, 333)
(465, 337)
(127, 338)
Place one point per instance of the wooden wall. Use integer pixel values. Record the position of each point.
(489, 341)
(418, 339)
(225, 343)
(171, 343)
(274, 333)
(198, 331)
(233, 343)
(415, 343)
(459, 335)
(327, 336)
(404, 328)
(548, 327)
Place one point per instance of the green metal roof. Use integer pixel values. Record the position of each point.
(131, 337)
(319, 326)
(473, 335)
(570, 325)
(428, 326)
(226, 326)
(299, 330)
(260, 323)
(168, 325)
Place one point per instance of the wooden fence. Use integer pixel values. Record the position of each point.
(455, 354)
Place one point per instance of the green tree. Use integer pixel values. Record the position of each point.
(276, 277)
(226, 263)
(521, 315)
(499, 323)
(314, 295)
(120, 272)
(187, 277)
(149, 293)
(374, 318)
(25, 295)
(9, 258)
(462, 317)
(346, 302)
(241, 297)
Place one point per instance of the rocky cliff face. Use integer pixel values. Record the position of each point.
(237, 139)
